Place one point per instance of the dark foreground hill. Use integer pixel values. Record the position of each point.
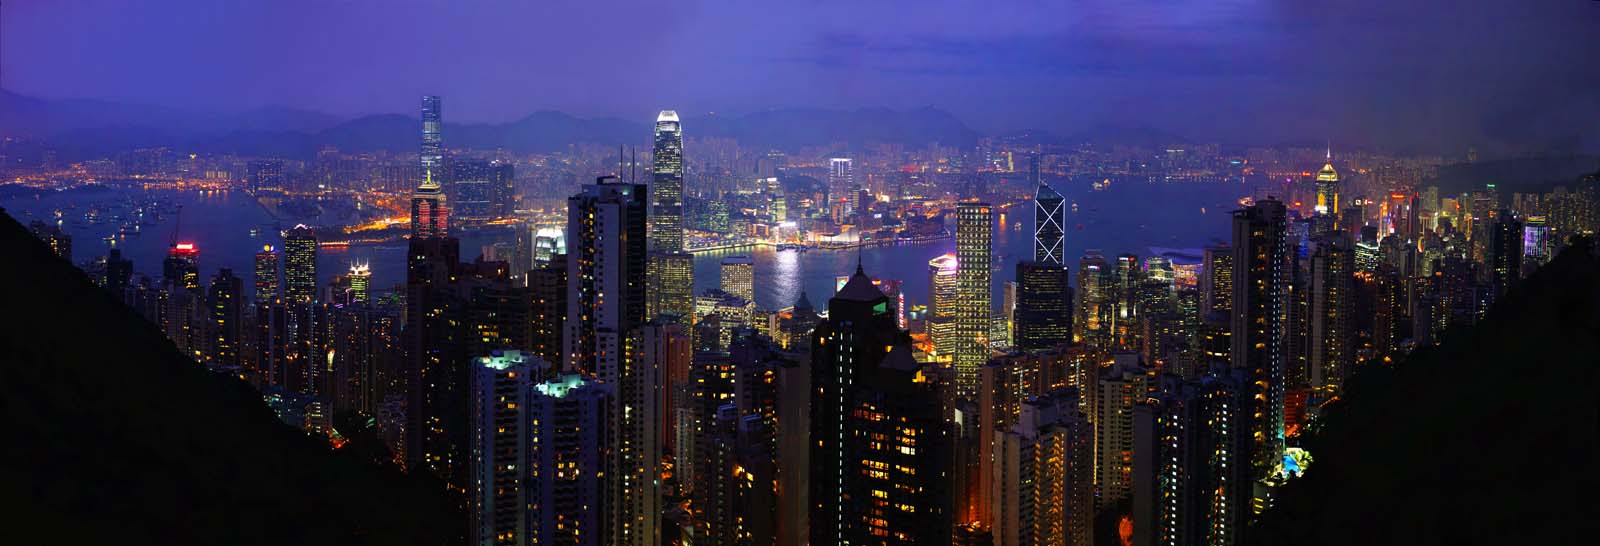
(1489, 438)
(109, 436)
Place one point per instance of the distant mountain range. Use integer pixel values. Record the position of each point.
(90, 128)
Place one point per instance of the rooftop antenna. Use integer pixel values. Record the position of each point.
(619, 161)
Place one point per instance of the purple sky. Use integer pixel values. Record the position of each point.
(1368, 71)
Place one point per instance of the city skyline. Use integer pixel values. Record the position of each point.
(420, 328)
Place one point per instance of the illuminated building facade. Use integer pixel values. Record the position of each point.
(360, 283)
(671, 290)
(1504, 261)
(1049, 224)
(300, 265)
(1121, 388)
(1096, 301)
(606, 305)
(432, 152)
(738, 277)
(942, 282)
(605, 266)
(501, 385)
(1326, 217)
(974, 254)
(225, 303)
(1216, 282)
(1261, 275)
(666, 187)
(266, 286)
(1043, 314)
(1043, 490)
(1191, 486)
(1332, 295)
(569, 429)
(880, 451)
(430, 213)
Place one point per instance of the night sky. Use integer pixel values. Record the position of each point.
(1367, 72)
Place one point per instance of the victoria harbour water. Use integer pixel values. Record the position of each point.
(230, 227)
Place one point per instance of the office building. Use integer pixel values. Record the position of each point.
(974, 254)
(1043, 315)
(738, 277)
(300, 265)
(666, 185)
(1049, 223)
(432, 152)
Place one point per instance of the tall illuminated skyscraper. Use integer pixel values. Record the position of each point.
(606, 305)
(666, 186)
(974, 256)
(224, 303)
(360, 282)
(738, 277)
(300, 265)
(1327, 207)
(568, 499)
(606, 226)
(432, 152)
(501, 385)
(430, 214)
(671, 290)
(266, 274)
(1049, 225)
(1332, 294)
(868, 385)
(841, 175)
(1043, 316)
(1043, 490)
(1261, 277)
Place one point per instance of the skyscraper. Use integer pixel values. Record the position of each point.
(300, 265)
(1190, 486)
(1216, 286)
(1505, 252)
(224, 303)
(868, 385)
(606, 226)
(266, 275)
(1261, 275)
(568, 499)
(430, 214)
(1043, 316)
(1043, 491)
(1327, 207)
(841, 176)
(974, 240)
(1332, 293)
(671, 290)
(738, 277)
(473, 191)
(501, 385)
(432, 153)
(360, 282)
(1049, 224)
(606, 305)
(666, 190)
(1096, 301)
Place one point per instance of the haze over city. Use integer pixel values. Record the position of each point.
(1433, 76)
